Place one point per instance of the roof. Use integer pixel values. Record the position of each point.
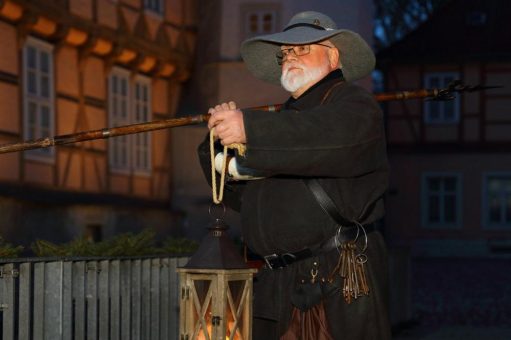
(462, 30)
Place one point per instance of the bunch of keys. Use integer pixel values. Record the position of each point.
(351, 268)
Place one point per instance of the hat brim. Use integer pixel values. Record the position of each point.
(356, 57)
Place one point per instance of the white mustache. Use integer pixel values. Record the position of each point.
(287, 66)
(293, 81)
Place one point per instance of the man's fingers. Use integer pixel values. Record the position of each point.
(213, 120)
(221, 129)
(226, 141)
(232, 105)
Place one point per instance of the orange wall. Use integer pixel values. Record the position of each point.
(8, 52)
(9, 108)
(107, 13)
(142, 186)
(66, 60)
(119, 184)
(95, 78)
(9, 169)
(82, 8)
(39, 173)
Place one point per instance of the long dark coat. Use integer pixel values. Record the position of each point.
(333, 132)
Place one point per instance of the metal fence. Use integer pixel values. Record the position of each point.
(86, 299)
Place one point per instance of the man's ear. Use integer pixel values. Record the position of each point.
(333, 58)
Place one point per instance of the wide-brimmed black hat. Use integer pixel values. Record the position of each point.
(356, 57)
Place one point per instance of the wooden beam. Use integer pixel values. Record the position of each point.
(9, 78)
(10, 10)
(48, 17)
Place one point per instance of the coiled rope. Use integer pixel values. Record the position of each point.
(218, 196)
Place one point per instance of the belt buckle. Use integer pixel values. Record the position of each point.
(269, 258)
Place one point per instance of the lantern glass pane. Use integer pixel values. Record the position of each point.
(203, 294)
(236, 300)
(202, 288)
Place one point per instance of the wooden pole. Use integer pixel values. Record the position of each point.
(438, 94)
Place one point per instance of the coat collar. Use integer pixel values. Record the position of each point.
(313, 96)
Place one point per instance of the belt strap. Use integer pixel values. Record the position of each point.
(326, 202)
(276, 261)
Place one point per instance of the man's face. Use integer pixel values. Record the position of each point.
(299, 72)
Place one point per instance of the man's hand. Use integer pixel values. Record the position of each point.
(228, 123)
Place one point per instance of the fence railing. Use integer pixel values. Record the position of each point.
(118, 298)
(89, 299)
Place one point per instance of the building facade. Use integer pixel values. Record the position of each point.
(450, 192)
(75, 65)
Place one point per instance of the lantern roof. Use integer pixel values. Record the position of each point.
(217, 251)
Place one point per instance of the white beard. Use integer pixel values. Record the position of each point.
(294, 80)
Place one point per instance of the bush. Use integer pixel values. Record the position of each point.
(127, 244)
(8, 250)
(179, 246)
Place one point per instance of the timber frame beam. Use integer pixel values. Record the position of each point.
(54, 23)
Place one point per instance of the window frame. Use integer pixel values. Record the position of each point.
(428, 104)
(46, 155)
(250, 8)
(132, 81)
(485, 201)
(144, 81)
(425, 223)
(115, 121)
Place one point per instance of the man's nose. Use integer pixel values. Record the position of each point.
(290, 56)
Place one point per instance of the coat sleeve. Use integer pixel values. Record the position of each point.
(341, 138)
(232, 190)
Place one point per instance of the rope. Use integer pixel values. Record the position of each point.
(218, 196)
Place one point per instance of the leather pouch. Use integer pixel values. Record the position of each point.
(307, 294)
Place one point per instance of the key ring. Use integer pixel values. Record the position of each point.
(360, 226)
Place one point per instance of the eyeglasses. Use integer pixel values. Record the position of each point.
(297, 50)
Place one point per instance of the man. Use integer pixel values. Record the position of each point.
(329, 132)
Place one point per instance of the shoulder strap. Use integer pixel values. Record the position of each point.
(326, 202)
(317, 190)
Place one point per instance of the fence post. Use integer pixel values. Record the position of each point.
(52, 302)
(25, 304)
(7, 306)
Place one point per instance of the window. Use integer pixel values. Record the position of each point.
(154, 6)
(260, 22)
(142, 110)
(38, 115)
(129, 103)
(119, 155)
(441, 200)
(497, 200)
(441, 112)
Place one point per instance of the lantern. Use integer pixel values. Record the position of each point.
(216, 291)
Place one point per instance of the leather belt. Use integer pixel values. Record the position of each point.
(278, 261)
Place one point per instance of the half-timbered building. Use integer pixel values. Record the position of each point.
(450, 191)
(75, 65)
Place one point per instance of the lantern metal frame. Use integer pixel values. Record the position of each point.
(219, 316)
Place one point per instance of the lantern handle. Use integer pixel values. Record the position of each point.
(211, 210)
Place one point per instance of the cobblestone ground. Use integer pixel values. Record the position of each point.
(460, 299)
(473, 292)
